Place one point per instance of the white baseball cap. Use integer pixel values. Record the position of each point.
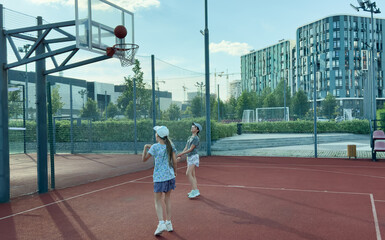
(162, 131)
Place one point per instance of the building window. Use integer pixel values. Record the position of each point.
(336, 54)
(336, 44)
(336, 25)
(336, 34)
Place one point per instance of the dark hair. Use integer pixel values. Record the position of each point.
(169, 150)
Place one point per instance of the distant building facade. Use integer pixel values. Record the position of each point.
(235, 89)
(266, 67)
(102, 93)
(336, 50)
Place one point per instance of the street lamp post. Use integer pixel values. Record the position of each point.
(200, 86)
(82, 93)
(207, 78)
(219, 118)
(157, 84)
(25, 49)
(220, 74)
(369, 6)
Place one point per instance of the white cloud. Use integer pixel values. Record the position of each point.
(52, 2)
(232, 48)
(130, 5)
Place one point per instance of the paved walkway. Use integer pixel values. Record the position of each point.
(335, 149)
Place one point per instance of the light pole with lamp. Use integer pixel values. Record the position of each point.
(200, 85)
(220, 74)
(157, 84)
(25, 49)
(207, 78)
(82, 93)
(371, 7)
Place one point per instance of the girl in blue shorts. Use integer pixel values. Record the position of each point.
(191, 150)
(164, 175)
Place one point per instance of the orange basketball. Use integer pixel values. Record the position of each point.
(120, 31)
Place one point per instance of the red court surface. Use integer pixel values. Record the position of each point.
(242, 198)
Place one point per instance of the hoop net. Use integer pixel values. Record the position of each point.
(125, 52)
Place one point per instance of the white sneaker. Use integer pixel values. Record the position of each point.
(169, 226)
(161, 227)
(194, 194)
(188, 194)
(197, 193)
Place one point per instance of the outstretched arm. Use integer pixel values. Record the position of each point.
(187, 151)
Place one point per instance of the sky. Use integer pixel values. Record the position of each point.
(170, 30)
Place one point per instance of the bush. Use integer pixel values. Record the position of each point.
(123, 130)
(355, 126)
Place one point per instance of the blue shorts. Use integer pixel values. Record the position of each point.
(165, 186)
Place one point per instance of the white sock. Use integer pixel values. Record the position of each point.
(161, 221)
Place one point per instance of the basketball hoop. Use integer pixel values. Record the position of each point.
(124, 51)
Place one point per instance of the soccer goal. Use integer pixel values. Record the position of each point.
(272, 114)
(348, 114)
(248, 116)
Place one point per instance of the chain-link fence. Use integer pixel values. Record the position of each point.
(94, 122)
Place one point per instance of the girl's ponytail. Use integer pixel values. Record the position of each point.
(169, 151)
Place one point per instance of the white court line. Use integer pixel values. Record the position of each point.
(77, 196)
(73, 197)
(208, 185)
(269, 188)
(299, 165)
(301, 169)
(374, 212)
(375, 217)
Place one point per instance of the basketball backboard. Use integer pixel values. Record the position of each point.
(95, 24)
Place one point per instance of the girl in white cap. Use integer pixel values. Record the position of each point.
(164, 175)
(191, 149)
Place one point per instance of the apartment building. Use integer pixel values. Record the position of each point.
(266, 67)
(335, 51)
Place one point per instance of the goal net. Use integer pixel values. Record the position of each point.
(248, 116)
(348, 114)
(272, 114)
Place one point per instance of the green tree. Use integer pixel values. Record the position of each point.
(15, 104)
(222, 110)
(90, 110)
(230, 108)
(246, 101)
(112, 110)
(269, 101)
(279, 94)
(187, 113)
(143, 96)
(197, 107)
(299, 104)
(57, 104)
(172, 113)
(329, 106)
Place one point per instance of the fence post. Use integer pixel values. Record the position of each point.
(50, 135)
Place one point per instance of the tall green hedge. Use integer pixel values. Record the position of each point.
(355, 126)
(123, 131)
